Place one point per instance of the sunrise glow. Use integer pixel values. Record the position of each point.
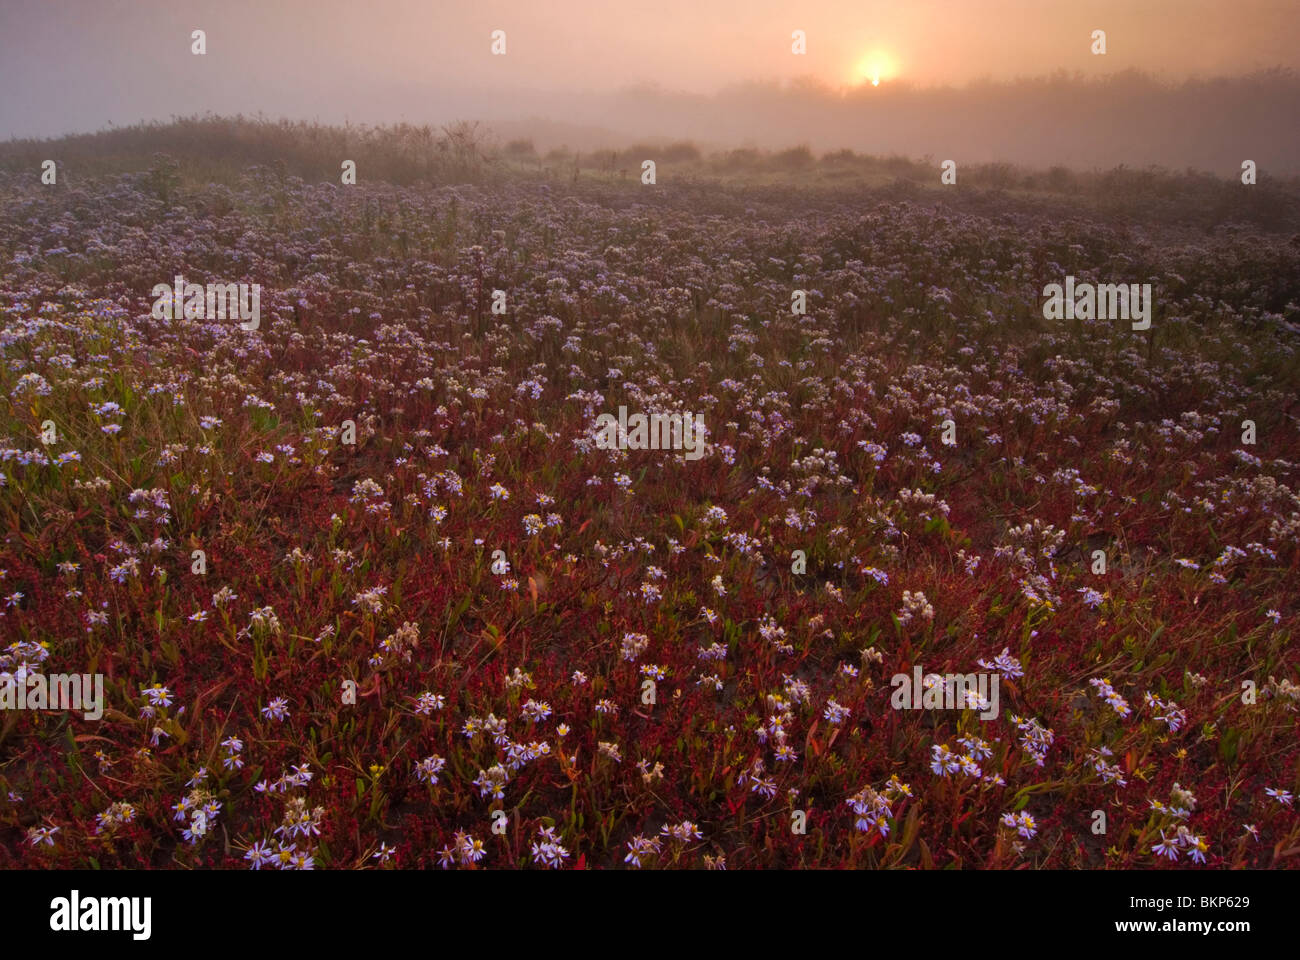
(874, 67)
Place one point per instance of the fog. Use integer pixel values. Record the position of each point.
(1183, 83)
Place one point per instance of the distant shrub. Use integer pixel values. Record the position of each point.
(906, 168)
(740, 159)
(401, 153)
(638, 152)
(999, 176)
(683, 151)
(1061, 179)
(796, 158)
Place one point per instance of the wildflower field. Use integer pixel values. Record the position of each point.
(366, 592)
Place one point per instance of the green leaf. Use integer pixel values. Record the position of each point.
(1228, 744)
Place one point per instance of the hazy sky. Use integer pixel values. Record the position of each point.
(75, 66)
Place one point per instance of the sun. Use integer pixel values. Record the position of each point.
(875, 66)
